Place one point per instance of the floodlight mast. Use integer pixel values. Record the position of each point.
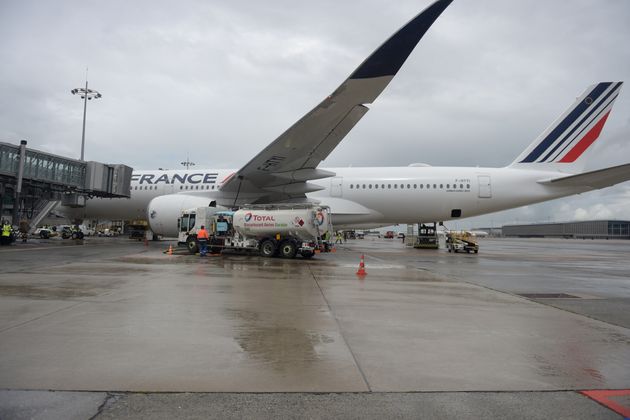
(86, 95)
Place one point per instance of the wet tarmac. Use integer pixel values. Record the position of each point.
(110, 318)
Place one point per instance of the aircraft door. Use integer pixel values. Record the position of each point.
(485, 189)
(336, 184)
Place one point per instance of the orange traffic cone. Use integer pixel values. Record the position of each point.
(170, 250)
(361, 271)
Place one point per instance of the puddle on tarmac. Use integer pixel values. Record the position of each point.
(44, 292)
(282, 347)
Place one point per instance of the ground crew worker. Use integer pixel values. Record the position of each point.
(339, 238)
(202, 238)
(5, 238)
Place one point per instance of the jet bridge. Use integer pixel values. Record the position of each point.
(33, 182)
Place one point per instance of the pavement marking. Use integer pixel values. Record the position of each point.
(606, 398)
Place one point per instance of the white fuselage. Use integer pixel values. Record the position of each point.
(361, 196)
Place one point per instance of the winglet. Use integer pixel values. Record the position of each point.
(389, 57)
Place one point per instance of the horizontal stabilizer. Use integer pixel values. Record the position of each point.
(600, 178)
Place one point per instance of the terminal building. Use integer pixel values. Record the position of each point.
(594, 229)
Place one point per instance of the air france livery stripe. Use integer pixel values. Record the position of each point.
(579, 128)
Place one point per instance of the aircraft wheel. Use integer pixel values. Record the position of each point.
(288, 249)
(191, 244)
(268, 248)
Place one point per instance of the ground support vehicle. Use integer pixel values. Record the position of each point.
(137, 229)
(284, 231)
(461, 241)
(427, 237)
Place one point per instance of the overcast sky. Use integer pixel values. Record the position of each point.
(218, 81)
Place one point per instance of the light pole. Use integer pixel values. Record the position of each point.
(188, 163)
(86, 95)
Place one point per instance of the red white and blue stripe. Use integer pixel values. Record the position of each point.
(577, 128)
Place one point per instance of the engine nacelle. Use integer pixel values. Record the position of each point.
(163, 211)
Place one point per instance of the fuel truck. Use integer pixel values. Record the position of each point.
(283, 231)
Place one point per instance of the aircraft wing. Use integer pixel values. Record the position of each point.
(281, 171)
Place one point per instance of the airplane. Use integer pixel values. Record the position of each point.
(287, 170)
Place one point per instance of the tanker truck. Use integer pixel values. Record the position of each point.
(284, 231)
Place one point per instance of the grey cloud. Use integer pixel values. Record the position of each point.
(220, 80)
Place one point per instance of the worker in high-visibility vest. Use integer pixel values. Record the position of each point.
(5, 238)
(202, 239)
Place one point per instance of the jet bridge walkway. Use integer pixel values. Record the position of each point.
(35, 180)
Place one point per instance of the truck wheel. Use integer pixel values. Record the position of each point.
(191, 244)
(268, 248)
(288, 249)
(44, 234)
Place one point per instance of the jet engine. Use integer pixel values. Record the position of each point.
(163, 211)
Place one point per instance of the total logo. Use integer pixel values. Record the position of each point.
(320, 218)
(257, 218)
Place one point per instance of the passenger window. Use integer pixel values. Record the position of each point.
(434, 186)
(351, 186)
(389, 186)
(376, 186)
(448, 186)
(363, 186)
(415, 186)
(441, 186)
(408, 186)
(461, 186)
(370, 186)
(181, 187)
(468, 186)
(421, 186)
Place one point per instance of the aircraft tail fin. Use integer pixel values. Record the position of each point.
(562, 144)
